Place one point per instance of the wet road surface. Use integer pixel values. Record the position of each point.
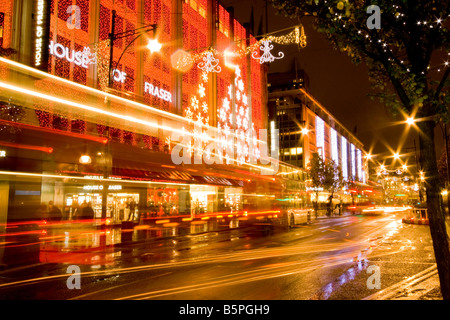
(327, 259)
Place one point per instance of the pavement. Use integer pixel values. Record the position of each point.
(406, 265)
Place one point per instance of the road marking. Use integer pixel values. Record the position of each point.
(394, 289)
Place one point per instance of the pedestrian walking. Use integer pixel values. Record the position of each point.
(54, 213)
(86, 211)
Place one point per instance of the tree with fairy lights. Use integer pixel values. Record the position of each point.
(405, 45)
(10, 112)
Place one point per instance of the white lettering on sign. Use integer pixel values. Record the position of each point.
(62, 52)
(80, 58)
(157, 92)
(39, 33)
(100, 187)
(119, 76)
(2, 153)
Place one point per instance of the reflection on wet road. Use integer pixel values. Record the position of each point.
(232, 264)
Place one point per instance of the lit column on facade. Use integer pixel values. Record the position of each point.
(344, 157)
(353, 160)
(320, 136)
(334, 146)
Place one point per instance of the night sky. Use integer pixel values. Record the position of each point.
(336, 83)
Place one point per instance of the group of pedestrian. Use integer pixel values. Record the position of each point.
(51, 212)
(83, 212)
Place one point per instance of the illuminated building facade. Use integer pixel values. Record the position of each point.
(306, 127)
(93, 124)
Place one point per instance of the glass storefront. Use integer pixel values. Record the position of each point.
(121, 205)
(203, 199)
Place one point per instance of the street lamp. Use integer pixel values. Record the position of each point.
(85, 159)
(305, 131)
(410, 121)
(153, 45)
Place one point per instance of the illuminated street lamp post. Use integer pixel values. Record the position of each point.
(153, 46)
(411, 121)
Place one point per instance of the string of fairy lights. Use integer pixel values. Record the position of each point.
(207, 59)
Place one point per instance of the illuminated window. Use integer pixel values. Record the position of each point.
(320, 135)
(344, 157)
(359, 164)
(353, 156)
(334, 146)
(296, 151)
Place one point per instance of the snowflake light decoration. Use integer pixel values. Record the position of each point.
(197, 111)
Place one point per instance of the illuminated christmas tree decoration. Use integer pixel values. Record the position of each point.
(198, 111)
(266, 47)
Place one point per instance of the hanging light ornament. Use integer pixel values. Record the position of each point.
(266, 47)
(183, 60)
(209, 63)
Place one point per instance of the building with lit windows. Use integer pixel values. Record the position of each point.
(96, 123)
(306, 127)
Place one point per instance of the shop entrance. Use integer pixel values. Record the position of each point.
(120, 206)
(123, 206)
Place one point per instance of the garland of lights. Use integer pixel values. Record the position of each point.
(102, 53)
(184, 60)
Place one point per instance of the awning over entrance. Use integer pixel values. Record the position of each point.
(138, 173)
(219, 181)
